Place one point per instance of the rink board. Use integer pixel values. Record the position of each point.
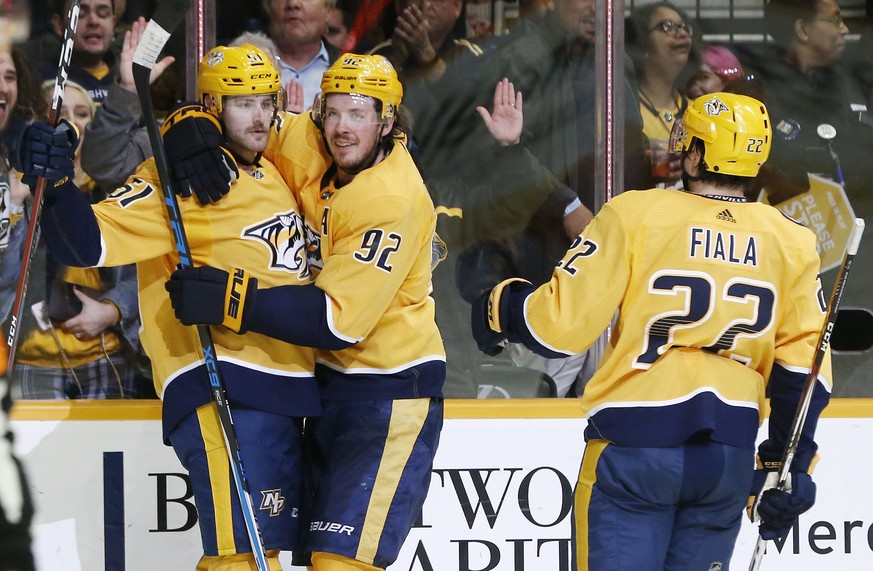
(111, 497)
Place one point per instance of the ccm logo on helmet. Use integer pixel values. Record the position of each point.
(262, 76)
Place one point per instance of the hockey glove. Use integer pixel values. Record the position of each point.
(193, 142)
(777, 510)
(48, 152)
(490, 316)
(209, 296)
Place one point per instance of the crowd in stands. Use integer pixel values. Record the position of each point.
(508, 204)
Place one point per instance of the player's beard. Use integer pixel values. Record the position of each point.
(365, 162)
(245, 144)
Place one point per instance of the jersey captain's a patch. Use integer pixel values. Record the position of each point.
(283, 234)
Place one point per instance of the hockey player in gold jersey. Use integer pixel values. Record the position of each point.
(380, 359)
(270, 384)
(718, 300)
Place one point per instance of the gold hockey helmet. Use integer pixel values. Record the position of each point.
(735, 130)
(370, 75)
(241, 70)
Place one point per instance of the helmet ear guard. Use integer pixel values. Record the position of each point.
(735, 131)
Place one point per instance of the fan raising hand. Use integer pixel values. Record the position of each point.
(506, 118)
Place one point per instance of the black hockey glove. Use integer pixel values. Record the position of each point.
(777, 510)
(209, 296)
(489, 318)
(193, 141)
(48, 152)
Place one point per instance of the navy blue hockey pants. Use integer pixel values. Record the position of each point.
(678, 508)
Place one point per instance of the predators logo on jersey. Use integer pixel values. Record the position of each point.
(283, 234)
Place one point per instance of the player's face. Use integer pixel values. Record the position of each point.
(352, 129)
(8, 88)
(246, 121)
(96, 27)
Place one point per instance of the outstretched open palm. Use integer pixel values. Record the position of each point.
(507, 117)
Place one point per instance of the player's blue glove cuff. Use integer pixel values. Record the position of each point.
(209, 296)
(490, 316)
(48, 152)
(194, 144)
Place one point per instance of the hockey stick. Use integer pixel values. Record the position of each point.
(168, 15)
(32, 239)
(824, 338)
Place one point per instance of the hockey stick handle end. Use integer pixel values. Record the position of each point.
(855, 236)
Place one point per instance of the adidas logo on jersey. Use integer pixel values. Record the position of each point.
(726, 216)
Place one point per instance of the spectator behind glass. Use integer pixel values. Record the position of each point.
(80, 331)
(805, 85)
(115, 143)
(551, 60)
(294, 98)
(426, 39)
(93, 63)
(21, 102)
(297, 27)
(493, 210)
(19, 88)
(340, 20)
(552, 63)
(423, 32)
(660, 43)
(719, 67)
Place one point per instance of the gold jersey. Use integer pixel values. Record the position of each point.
(711, 295)
(257, 226)
(369, 247)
